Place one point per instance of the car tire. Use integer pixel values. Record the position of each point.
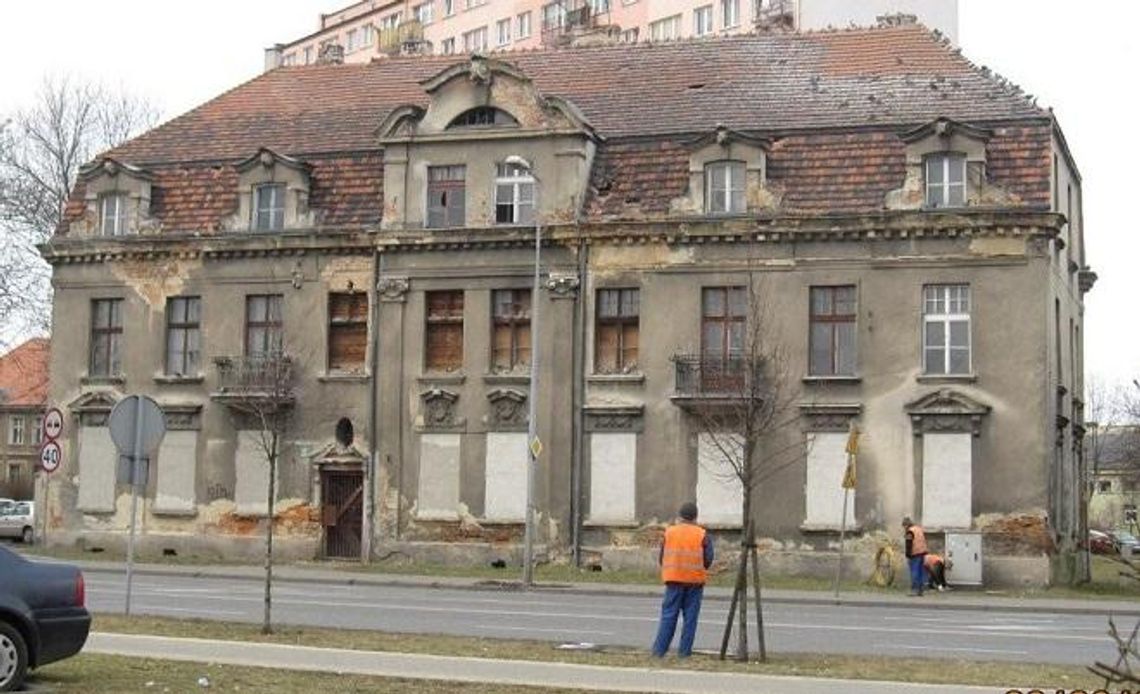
(28, 536)
(13, 658)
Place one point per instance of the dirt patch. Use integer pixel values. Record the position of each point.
(1024, 535)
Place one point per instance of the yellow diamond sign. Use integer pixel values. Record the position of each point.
(536, 446)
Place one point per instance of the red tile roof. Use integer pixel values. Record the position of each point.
(24, 374)
(767, 82)
(833, 104)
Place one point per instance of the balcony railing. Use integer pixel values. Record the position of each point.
(577, 17)
(261, 376)
(706, 376)
(408, 37)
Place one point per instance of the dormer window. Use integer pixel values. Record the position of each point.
(724, 187)
(483, 117)
(269, 207)
(113, 214)
(514, 195)
(945, 180)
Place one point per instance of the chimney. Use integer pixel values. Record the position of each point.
(273, 57)
(897, 19)
(331, 53)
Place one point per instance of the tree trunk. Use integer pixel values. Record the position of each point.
(267, 622)
(746, 541)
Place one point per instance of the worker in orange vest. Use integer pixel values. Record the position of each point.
(936, 571)
(916, 555)
(686, 554)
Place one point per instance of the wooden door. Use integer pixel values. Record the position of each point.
(342, 512)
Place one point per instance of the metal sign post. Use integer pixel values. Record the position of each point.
(137, 426)
(849, 480)
(51, 457)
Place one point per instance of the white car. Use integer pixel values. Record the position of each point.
(18, 519)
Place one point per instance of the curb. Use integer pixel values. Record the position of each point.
(718, 594)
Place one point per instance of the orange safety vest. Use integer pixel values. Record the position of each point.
(931, 560)
(683, 556)
(918, 540)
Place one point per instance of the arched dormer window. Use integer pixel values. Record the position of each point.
(483, 117)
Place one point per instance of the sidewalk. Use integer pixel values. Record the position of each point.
(456, 669)
(954, 600)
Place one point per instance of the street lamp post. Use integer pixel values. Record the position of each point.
(533, 446)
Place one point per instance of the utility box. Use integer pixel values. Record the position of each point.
(964, 552)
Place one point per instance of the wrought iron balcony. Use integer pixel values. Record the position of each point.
(265, 377)
(709, 376)
(405, 39)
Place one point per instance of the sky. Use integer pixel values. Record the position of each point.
(1078, 58)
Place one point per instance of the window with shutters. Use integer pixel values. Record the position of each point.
(832, 333)
(510, 339)
(106, 334)
(616, 331)
(446, 196)
(348, 331)
(183, 335)
(263, 325)
(443, 341)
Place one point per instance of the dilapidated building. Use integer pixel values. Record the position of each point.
(913, 220)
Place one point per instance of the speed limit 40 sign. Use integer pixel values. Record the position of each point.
(51, 455)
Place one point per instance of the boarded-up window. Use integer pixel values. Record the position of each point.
(832, 338)
(348, 331)
(616, 331)
(443, 341)
(106, 333)
(510, 341)
(262, 324)
(447, 194)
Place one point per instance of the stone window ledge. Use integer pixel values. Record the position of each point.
(103, 380)
(174, 512)
(611, 524)
(164, 379)
(636, 378)
(506, 522)
(343, 377)
(838, 380)
(506, 378)
(437, 517)
(947, 378)
(442, 378)
(828, 529)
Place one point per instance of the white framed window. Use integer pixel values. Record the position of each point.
(308, 52)
(729, 13)
(269, 207)
(514, 195)
(113, 214)
(424, 12)
(945, 180)
(724, 187)
(522, 25)
(553, 15)
(703, 21)
(390, 22)
(353, 41)
(289, 60)
(665, 29)
(16, 430)
(368, 35)
(37, 431)
(946, 329)
(448, 8)
(475, 40)
(447, 46)
(599, 6)
(503, 32)
(630, 35)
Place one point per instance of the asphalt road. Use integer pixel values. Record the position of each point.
(618, 620)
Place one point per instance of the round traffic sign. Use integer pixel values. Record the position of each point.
(51, 455)
(136, 420)
(53, 424)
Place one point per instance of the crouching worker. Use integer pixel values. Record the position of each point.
(936, 571)
(685, 557)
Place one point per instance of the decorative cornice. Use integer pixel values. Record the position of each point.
(614, 418)
(830, 416)
(946, 127)
(946, 410)
(393, 288)
(562, 285)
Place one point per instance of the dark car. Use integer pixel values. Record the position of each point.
(1101, 542)
(42, 615)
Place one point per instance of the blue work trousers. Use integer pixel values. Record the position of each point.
(683, 599)
(917, 573)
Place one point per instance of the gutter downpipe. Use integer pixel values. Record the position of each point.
(373, 426)
(577, 398)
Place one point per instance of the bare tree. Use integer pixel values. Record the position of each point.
(42, 147)
(747, 413)
(260, 391)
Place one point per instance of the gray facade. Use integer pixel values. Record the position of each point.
(957, 353)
